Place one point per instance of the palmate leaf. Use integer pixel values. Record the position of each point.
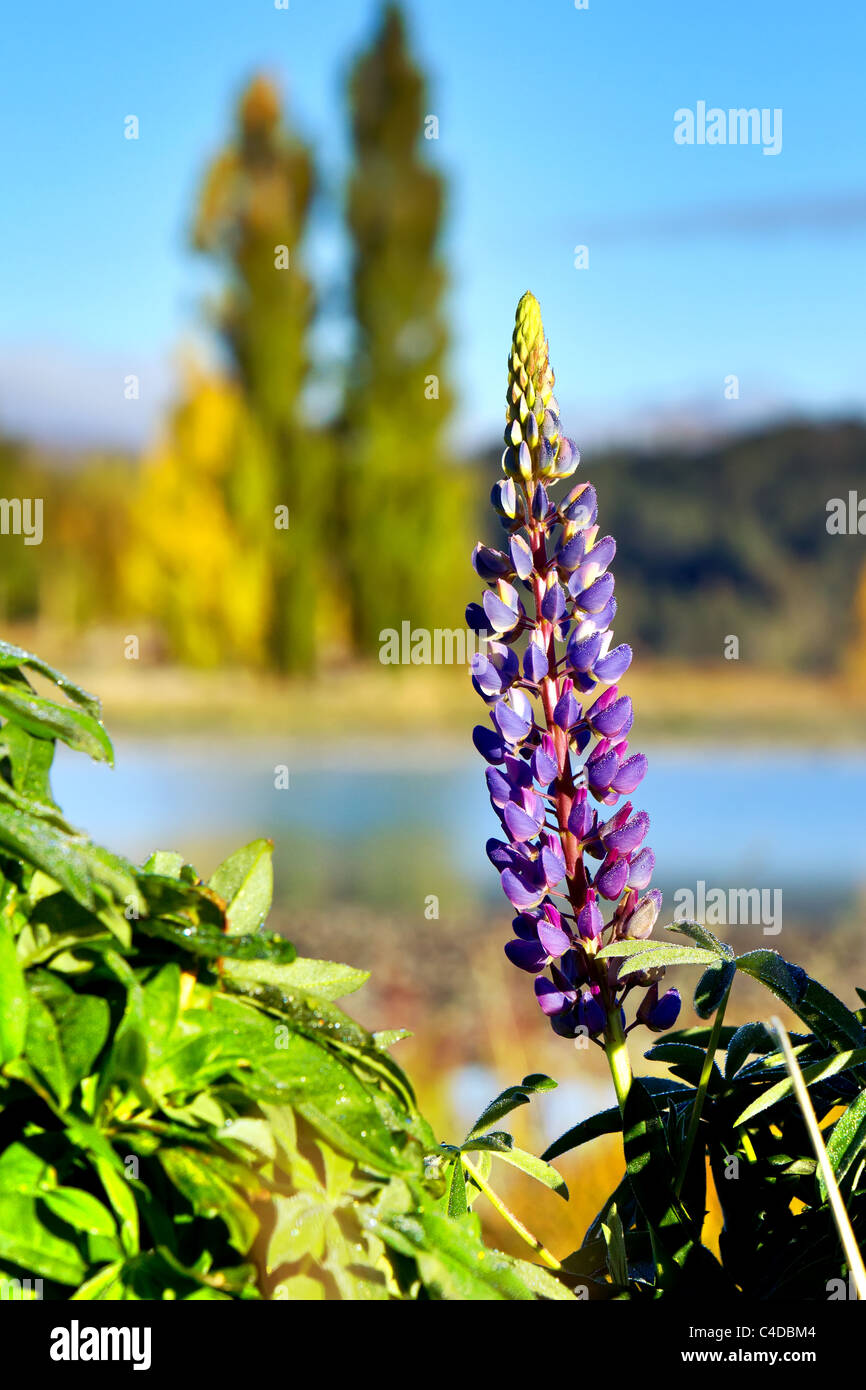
(826, 1015)
(703, 937)
(647, 955)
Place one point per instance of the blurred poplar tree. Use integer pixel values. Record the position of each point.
(252, 214)
(404, 543)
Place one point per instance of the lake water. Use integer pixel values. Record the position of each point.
(383, 822)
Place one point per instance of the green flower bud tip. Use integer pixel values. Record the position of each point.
(530, 379)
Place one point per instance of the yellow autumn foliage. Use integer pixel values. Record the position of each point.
(194, 565)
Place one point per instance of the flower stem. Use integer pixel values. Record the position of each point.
(514, 1222)
(616, 1051)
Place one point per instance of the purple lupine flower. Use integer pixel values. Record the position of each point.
(557, 733)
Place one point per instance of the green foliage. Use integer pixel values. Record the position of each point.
(185, 1111)
(251, 219)
(405, 521)
(779, 1238)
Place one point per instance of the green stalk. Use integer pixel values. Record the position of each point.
(616, 1052)
(837, 1206)
(703, 1084)
(514, 1221)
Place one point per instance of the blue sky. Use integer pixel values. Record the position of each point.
(556, 130)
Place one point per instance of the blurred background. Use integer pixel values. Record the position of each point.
(258, 266)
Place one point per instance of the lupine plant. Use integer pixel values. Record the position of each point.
(577, 873)
(186, 1112)
(557, 741)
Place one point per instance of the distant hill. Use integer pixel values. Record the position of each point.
(731, 538)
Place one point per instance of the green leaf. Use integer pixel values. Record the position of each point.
(63, 858)
(26, 1241)
(699, 933)
(101, 1286)
(195, 1174)
(208, 942)
(299, 1229)
(31, 760)
(495, 1141)
(712, 988)
(651, 1173)
(829, 1018)
(614, 1239)
(386, 1037)
(541, 1281)
(65, 1033)
(13, 998)
(510, 1099)
(688, 1059)
(452, 1261)
(12, 657)
(457, 1203)
(786, 981)
(245, 882)
(48, 720)
(649, 955)
(815, 1071)
(164, 863)
(323, 978)
(120, 1195)
(847, 1141)
(752, 1037)
(826, 1015)
(299, 1288)
(24, 1171)
(81, 1210)
(535, 1168)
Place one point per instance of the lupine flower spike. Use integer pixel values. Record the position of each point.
(557, 737)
